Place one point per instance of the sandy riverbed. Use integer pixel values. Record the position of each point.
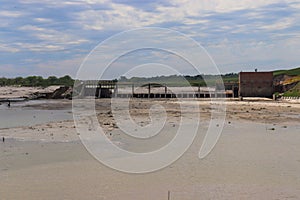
(9, 92)
(257, 156)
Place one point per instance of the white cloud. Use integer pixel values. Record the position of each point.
(7, 17)
(43, 20)
(8, 48)
(248, 55)
(31, 28)
(279, 25)
(59, 3)
(39, 47)
(120, 16)
(9, 14)
(60, 67)
(187, 12)
(51, 40)
(231, 40)
(196, 7)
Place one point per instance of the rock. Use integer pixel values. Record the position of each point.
(63, 92)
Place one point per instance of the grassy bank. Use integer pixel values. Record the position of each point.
(294, 92)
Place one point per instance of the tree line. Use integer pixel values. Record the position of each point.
(37, 81)
(174, 80)
(183, 80)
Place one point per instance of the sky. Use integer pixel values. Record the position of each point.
(53, 37)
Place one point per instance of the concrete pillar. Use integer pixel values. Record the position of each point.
(99, 95)
(149, 90)
(132, 89)
(116, 90)
(166, 90)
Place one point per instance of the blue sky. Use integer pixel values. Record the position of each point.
(51, 37)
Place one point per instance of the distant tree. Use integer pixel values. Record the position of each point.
(52, 80)
(123, 79)
(19, 81)
(66, 80)
(37, 81)
(3, 81)
(34, 81)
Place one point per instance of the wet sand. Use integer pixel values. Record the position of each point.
(257, 157)
(25, 114)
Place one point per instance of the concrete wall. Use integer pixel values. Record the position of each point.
(256, 84)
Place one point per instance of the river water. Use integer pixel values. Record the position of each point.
(17, 115)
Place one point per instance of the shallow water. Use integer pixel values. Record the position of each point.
(17, 115)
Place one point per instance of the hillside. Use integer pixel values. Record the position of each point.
(291, 72)
(294, 92)
(289, 79)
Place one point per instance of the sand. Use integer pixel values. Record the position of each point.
(256, 157)
(9, 92)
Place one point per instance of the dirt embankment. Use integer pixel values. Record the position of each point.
(284, 83)
(52, 92)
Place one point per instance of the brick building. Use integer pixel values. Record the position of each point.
(256, 84)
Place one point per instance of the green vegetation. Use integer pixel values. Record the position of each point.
(291, 72)
(181, 81)
(231, 77)
(173, 80)
(37, 81)
(294, 92)
(294, 77)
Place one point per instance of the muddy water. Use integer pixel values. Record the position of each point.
(17, 115)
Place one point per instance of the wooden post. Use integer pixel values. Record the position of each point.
(149, 90)
(166, 90)
(99, 95)
(83, 90)
(169, 195)
(116, 91)
(132, 90)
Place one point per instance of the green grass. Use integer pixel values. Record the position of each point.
(231, 79)
(294, 92)
(291, 72)
(173, 80)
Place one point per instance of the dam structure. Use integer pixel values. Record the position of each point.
(111, 89)
(249, 84)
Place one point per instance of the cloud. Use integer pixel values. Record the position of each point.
(11, 14)
(264, 55)
(7, 48)
(50, 40)
(119, 17)
(43, 20)
(53, 31)
(279, 25)
(60, 67)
